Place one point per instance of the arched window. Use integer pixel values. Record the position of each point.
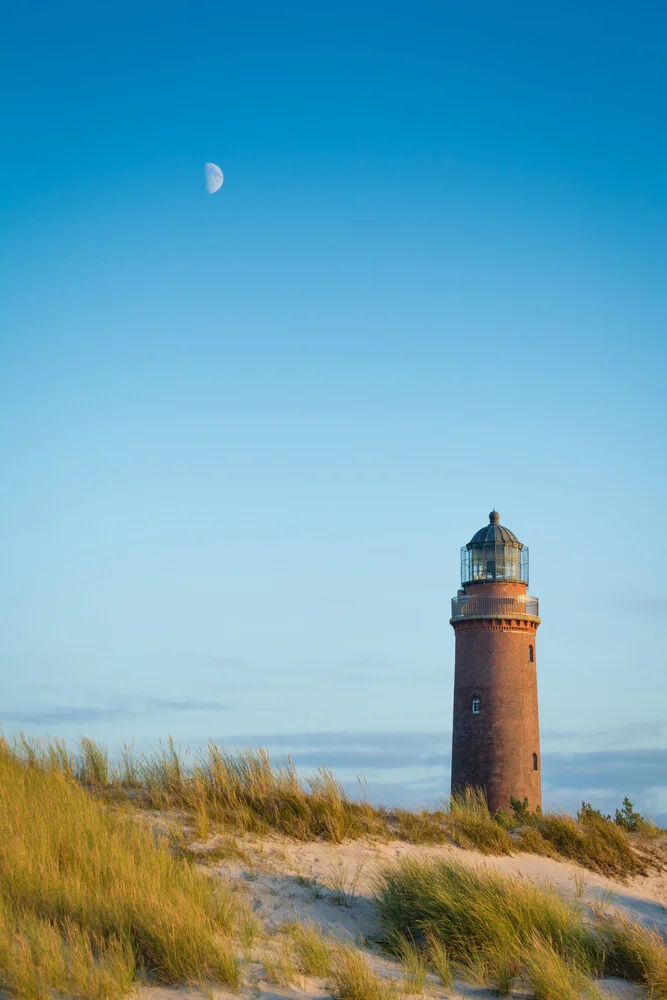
(531, 654)
(475, 705)
(534, 762)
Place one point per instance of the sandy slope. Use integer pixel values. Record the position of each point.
(332, 885)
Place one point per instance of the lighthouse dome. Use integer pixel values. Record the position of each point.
(494, 532)
(494, 553)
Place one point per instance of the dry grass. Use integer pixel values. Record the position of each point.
(414, 962)
(38, 955)
(279, 964)
(593, 842)
(420, 827)
(248, 793)
(439, 959)
(353, 979)
(552, 976)
(495, 929)
(636, 952)
(532, 842)
(88, 895)
(470, 824)
(311, 949)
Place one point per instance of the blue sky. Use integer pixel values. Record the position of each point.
(242, 437)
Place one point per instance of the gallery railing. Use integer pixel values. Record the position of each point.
(501, 607)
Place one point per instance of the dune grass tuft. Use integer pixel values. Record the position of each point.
(477, 911)
(496, 929)
(439, 959)
(84, 887)
(593, 842)
(414, 962)
(554, 977)
(420, 827)
(311, 949)
(470, 824)
(635, 952)
(353, 979)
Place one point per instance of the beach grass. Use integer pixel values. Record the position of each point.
(470, 824)
(635, 952)
(478, 911)
(494, 930)
(592, 841)
(247, 793)
(310, 948)
(87, 893)
(353, 979)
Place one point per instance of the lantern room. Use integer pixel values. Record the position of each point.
(494, 553)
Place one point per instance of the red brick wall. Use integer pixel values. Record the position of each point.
(494, 750)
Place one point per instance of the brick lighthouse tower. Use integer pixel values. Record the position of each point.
(496, 739)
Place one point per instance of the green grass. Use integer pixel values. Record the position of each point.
(495, 930)
(439, 959)
(553, 976)
(88, 895)
(476, 911)
(635, 952)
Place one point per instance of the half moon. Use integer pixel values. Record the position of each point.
(214, 177)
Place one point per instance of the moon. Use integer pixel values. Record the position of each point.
(214, 177)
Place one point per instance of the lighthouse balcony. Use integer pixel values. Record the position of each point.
(490, 606)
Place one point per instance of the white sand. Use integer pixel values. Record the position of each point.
(284, 880)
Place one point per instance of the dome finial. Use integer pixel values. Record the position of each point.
(494, 517)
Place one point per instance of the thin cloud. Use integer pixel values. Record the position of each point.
(90, 714)
(63, 714)
(627, 770)
(650, 605)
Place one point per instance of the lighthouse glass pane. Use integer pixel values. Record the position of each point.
(511, 563)
(466, 565)
(489, 561)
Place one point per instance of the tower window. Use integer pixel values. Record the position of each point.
(531, 654)
(534, 755)
(475, 705)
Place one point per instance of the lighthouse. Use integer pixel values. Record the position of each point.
(496, 738)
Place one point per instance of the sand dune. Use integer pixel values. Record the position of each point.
(331, 885)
